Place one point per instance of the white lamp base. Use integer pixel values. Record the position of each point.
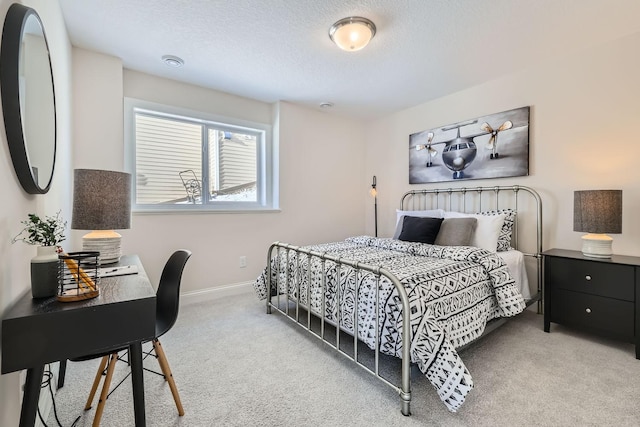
(597, 245)
(107, 242)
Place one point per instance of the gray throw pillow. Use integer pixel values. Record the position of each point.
(456, 232)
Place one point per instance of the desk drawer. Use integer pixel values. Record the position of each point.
(605, 315)
(592, 277)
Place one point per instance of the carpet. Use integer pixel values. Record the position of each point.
(237, 366)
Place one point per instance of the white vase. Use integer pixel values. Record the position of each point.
(44, 272)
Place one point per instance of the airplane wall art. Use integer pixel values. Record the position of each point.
(493, 146)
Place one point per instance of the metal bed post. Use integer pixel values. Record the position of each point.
(377, 346)
(309, 293)
(286, 282)
(298, 280)
(324, 293)
(269, 252)
(405, 391)
(338, 304)
(355, 313)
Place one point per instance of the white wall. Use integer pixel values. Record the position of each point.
(583, 135)
(97, 124)
(14, 275)
(321, 186)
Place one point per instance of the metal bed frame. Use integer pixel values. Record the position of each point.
(462, 199)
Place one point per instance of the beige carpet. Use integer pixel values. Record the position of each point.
(237, 366)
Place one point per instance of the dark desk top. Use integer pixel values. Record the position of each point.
(38, 331)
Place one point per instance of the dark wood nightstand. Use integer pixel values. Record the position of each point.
(599, 295)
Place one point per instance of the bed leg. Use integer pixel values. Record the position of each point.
(269, 297)
(406, 403)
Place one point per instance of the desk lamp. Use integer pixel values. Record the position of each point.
(597, 212)
(102, 203)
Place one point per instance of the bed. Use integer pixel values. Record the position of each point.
(439, 296)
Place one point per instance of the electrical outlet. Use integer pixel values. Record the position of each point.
(243, 261)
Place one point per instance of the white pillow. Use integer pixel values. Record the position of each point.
(504, 239)
(400, 214)
(487, 231)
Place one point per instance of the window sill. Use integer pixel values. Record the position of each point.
(200, 211)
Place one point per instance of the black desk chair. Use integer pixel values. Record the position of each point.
(167, 305)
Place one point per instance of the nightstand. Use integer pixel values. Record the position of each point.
(598, 295)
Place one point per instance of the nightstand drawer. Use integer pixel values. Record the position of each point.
(605, 315)
(592, 277)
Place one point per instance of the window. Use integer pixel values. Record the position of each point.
(186, 161)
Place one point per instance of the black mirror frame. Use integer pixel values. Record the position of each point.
(9, 85)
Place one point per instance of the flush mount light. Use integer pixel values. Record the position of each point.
(325, 105)
(173, 61)
(352, 33)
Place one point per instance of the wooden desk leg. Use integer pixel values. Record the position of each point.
(137, 381)
(31, 396)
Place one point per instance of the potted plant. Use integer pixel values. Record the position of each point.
(47, 233)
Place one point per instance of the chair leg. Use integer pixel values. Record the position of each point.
(168, 376)
(105, 389)
(96, 382)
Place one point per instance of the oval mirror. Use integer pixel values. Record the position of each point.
(28, 100)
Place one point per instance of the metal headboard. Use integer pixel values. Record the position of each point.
(478, 199)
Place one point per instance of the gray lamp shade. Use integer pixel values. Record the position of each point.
(597, 211)
(101, 200)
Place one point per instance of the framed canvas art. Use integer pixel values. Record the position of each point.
(493, 146)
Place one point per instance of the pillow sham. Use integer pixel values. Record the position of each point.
(420, 229)
(456, 232)
(488, 229)
(504, 239)
(400, 214)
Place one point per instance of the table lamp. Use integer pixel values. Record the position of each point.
(101, 203)
(597, 212)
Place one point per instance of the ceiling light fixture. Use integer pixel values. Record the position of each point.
(173, 61)
(352, 33)
(326, 104)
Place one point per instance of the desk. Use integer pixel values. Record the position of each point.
(40, 331)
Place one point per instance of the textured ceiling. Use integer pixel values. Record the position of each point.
(274, 50)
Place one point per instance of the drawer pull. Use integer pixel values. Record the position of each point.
(587, 277)
(588, 310)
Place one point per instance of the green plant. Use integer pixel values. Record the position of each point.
(46, 232)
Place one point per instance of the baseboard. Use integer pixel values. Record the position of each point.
(216, 292)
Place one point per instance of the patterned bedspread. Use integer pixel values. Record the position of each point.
(453, 291)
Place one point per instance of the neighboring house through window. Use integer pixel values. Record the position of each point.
(185, 160)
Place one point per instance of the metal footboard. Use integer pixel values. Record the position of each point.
(274, 292)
